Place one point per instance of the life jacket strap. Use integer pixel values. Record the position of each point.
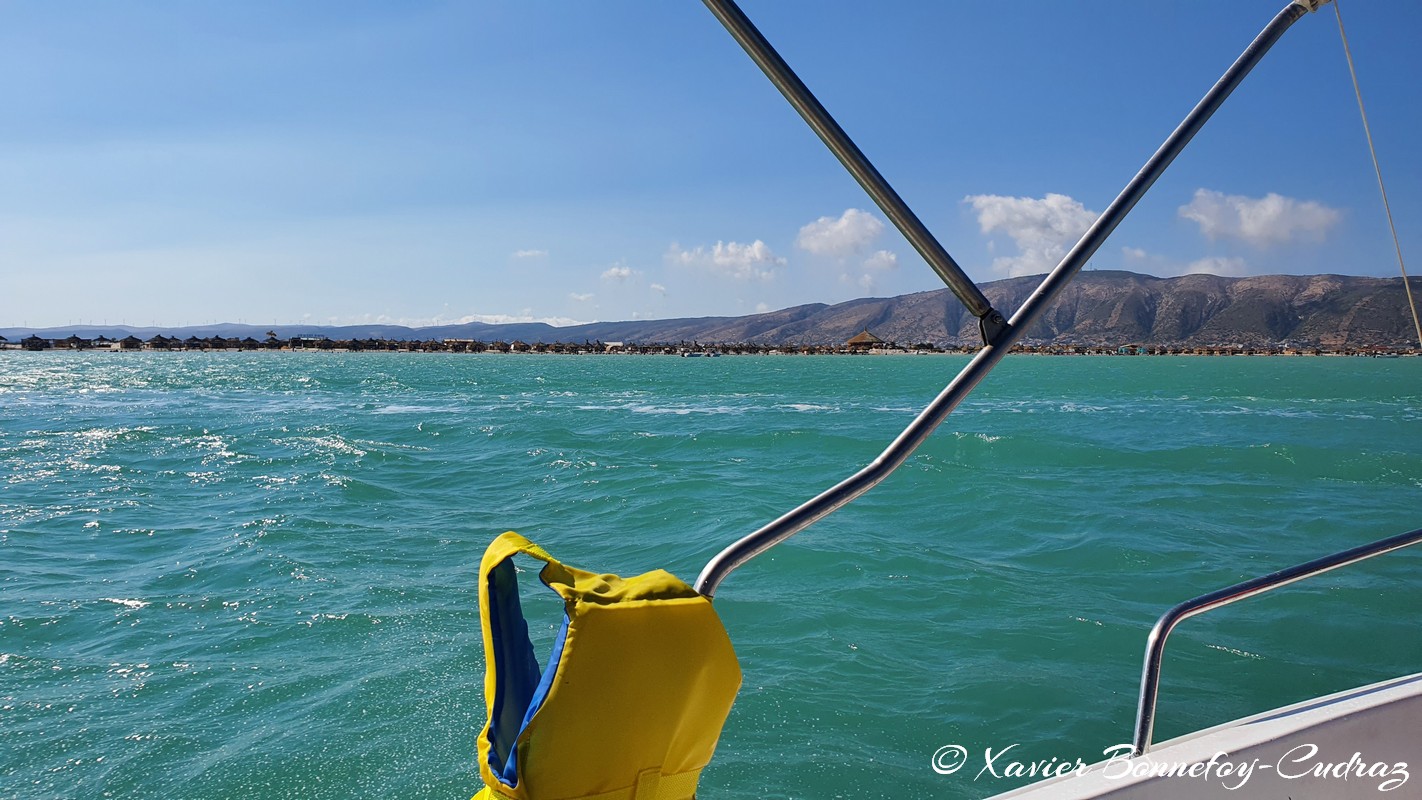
(651, 785)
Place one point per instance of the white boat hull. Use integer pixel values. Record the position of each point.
(1361, 743)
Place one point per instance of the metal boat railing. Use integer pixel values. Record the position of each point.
(998, 339)
(1155, 644)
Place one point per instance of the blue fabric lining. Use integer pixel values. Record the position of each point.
(540, 693)
(516, 673)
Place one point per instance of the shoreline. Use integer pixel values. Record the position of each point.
(743, 351)
(861, 344)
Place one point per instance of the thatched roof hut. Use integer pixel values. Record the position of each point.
(863, 341)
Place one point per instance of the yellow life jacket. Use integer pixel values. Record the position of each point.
(639, 683)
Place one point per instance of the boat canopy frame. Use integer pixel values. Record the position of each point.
(999, 338)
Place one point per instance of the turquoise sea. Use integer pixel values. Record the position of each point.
(252, 575)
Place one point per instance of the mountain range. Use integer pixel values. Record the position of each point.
(1098, 307)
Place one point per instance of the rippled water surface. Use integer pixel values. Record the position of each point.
(252, 575)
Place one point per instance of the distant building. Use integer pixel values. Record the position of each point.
(863, 342)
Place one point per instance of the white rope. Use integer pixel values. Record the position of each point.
(1373, 151)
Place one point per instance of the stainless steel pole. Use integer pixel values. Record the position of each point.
(917, 431)
(991, 322)
(1155, 643)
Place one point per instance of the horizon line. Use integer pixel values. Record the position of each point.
(552, 322)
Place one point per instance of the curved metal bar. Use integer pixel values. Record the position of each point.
(851, 157)
(1155, 644)
(954, 393)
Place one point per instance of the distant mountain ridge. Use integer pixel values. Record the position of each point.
(1098, 307)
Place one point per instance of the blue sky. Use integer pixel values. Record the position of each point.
(416, 163)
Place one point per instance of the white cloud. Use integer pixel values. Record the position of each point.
(1042, 229)
(557, 322)
(1140, 259)
(1264, 221)
(1218, 265)
(582, 297)
(850, 235)
(879, 262)
(882, 261)
(444, 318)
(620, 272)
(761, 308)
(658, 288)
(754, 261)
(530, 253)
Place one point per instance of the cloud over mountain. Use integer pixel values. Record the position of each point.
(619, 273)
(849, 235)
(1259, 221)
(1042, 229)
(754, 261)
